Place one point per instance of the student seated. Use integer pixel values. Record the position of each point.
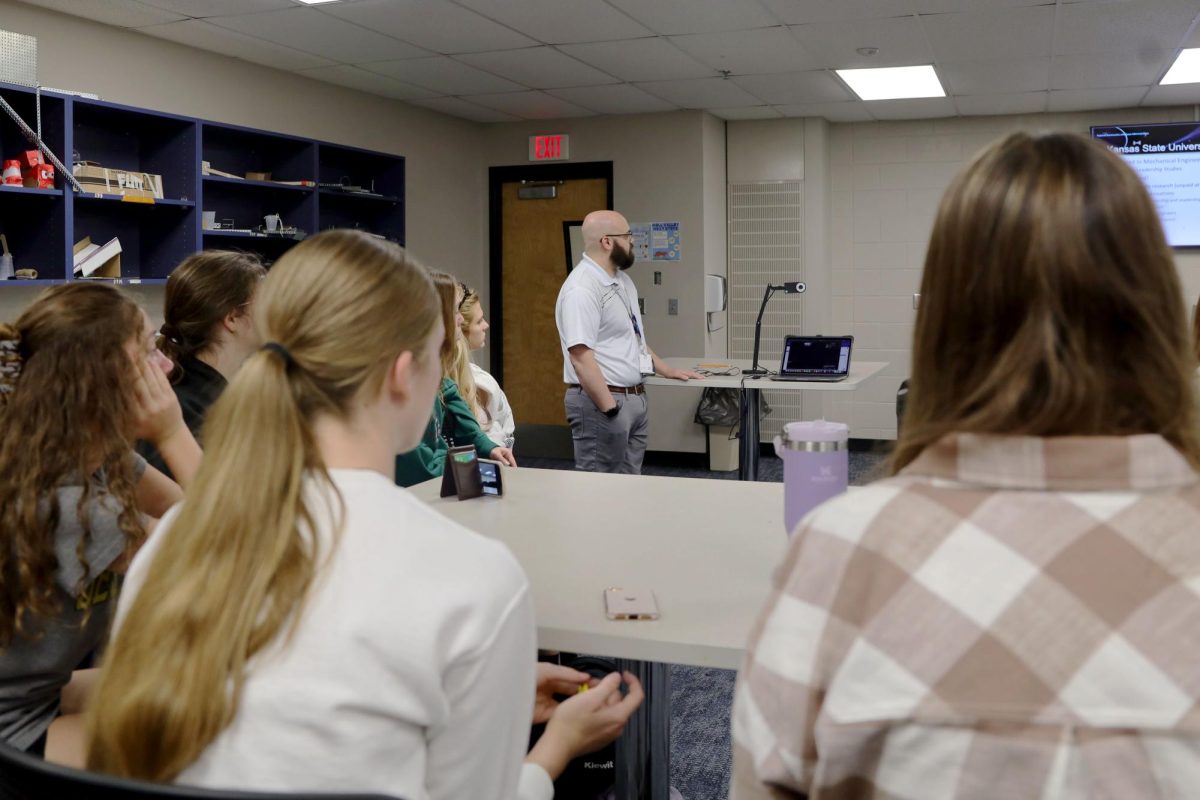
(299, 622)
(485, 398)
(207, 330)
(1014, 613)
(80, 380)
(452, 423)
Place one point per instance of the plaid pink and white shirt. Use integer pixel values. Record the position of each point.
(1009, 617)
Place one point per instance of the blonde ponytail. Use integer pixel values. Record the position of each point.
(234, 570)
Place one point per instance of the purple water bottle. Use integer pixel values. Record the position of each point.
(816, 466)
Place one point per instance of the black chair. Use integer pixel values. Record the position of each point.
(26, 777)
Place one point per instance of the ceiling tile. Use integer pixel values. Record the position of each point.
(749, 52)
(443, 75)
(309, 30)
(955, 6)
(199, 9)
(647, 59)
(972, 35)
(793, 88)
(539, 67)
(358, 78)
(989, 104)
(995, 76)
(702, 93)
(1090, 99)
(197, 33)
(436, 25)
(920, 108)
(122, 13)
(799, 12)
(531, 105)
(461, 108)
(1178, 94)
(1109, 70)
(747, 112)
(855, 111)
(561, 21)
(1122, 27)
(901, 42)
(617, 98)
(697, 16)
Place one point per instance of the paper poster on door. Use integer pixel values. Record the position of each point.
(656, 241)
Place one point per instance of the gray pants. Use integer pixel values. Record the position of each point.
(603, 444)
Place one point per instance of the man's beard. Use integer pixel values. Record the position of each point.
(624, 259)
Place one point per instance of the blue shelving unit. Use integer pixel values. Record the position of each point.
(42, 225)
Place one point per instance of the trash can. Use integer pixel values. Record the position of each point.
(816, 466)
(722, 448)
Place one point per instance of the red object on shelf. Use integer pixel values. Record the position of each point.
(12, 173)
(35, 172)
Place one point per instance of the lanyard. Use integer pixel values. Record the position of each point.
(637, 329)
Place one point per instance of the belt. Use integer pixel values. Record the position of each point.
(639, 389)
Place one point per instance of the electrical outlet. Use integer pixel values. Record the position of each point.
(658, 279)
(673, 306)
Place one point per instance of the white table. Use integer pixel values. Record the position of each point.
(751, 388)
(705, 547)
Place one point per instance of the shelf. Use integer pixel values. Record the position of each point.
(41, 232)
(16, 190)
(378, 198)
(135, 201)
(35, 282)
(256, 184)
(251, 235)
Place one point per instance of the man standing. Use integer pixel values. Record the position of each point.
(605, 353)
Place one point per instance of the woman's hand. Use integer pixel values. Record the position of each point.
(586, 722)
(553, 679)
(157, 415)
(504, 456)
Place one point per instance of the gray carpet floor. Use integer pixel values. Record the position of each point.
(701, 698)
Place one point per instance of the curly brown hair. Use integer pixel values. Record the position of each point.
(69, 412)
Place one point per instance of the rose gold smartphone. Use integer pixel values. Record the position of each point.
(622, 603)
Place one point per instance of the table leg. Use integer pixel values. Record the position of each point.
(748, 444)
(643, 757)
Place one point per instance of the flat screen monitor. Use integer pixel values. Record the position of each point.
(1167, 157)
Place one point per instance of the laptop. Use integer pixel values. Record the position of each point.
(815, 358)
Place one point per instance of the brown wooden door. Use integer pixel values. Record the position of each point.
(534, 268)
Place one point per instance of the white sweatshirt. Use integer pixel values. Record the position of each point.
(500, 425)
(411, 672)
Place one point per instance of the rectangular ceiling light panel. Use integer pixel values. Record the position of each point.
(893, 83)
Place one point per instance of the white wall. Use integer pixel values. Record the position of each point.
(887, 180)
(666, 167)
(446, 190)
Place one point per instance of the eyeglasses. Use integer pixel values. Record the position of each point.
(617, 235)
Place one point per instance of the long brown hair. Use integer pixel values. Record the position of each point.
(235, 567)
(66, 411)
(202, 290)
(1050, 305)
(456, 364)
(479, 399)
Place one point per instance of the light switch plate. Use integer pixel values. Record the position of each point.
(672, 306)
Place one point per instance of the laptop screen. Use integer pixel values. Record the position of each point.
(816, 355)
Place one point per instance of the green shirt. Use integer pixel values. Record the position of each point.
(453, 418)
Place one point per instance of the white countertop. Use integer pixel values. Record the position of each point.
(706, 548)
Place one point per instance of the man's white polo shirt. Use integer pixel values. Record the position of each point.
(600, 311)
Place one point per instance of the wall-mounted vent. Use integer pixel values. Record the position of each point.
(765, 238)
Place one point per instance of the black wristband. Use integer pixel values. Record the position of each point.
(612, 412)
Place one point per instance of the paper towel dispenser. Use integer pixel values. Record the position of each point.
(714, 293)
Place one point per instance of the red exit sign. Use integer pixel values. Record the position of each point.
(550, 147)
